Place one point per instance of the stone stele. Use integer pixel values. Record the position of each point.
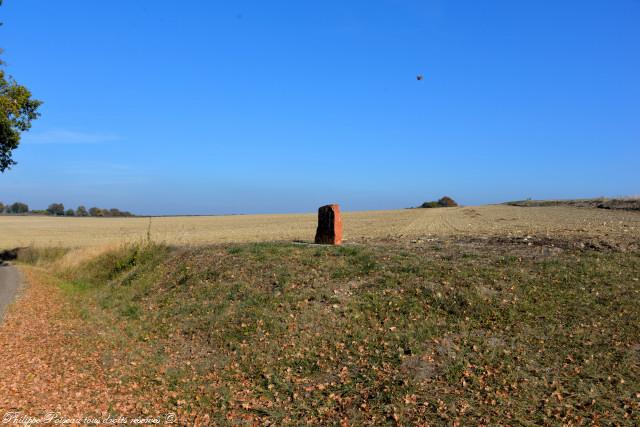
(329, 230)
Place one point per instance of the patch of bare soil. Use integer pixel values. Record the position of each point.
(433, 362)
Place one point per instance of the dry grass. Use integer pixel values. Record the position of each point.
(359, 226)
(452, 332)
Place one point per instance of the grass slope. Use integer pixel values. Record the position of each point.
(625, 203)
(432, 334)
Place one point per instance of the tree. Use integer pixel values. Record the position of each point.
(69, 212)
(430, 205)
(56, 209)
(444, 202)
(18, 208)
(17, 110)
(447, 202)
(95, 211)
(82, 211)
(1, 208)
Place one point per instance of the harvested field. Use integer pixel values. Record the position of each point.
(613, 228)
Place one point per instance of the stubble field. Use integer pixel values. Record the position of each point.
(619, 228)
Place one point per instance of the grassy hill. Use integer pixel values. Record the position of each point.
(625, 203)
(474, 332)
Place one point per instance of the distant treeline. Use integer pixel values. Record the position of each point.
(58, 209)
(444, 202)
(631, 203)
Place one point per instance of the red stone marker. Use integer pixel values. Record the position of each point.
(329, 230)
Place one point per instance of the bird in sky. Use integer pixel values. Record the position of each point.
(419, 77)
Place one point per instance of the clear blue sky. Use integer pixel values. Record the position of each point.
(165, 107)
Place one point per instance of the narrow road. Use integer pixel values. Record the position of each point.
(9, 283)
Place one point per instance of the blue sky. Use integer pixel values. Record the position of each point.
(164, 107)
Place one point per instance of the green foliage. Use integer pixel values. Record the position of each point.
(17, 110)
(447, 202)
(444, 202)
(82, 211)
(113, 212)
(56, 209)
(95, 211)
(430, 205)
(40, 256)
(126, 259)
(18, 208)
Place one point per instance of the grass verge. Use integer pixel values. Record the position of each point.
(437, 334)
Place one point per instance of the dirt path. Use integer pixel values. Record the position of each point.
(9, 284)
(52, 362)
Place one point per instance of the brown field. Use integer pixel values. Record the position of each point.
(619, 228)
